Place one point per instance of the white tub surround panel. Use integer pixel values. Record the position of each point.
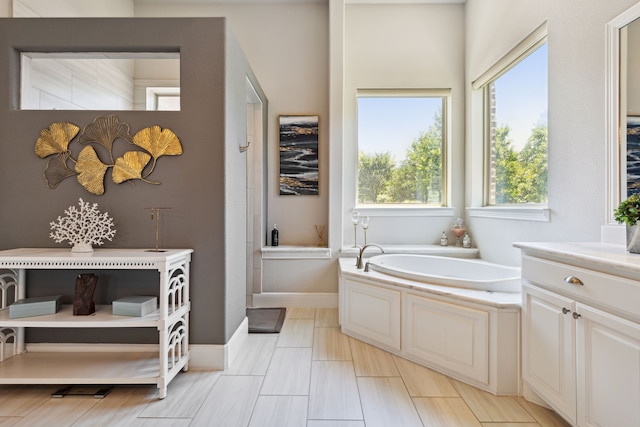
(581, 330)
(470, 335)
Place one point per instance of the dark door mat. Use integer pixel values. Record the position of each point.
(265, 320)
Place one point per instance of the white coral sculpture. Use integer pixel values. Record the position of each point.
(83, 227)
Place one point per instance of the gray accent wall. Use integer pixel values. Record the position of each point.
(205, 186)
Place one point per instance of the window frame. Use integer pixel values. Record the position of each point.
(480, 89)
(153, 93)
(408, 209)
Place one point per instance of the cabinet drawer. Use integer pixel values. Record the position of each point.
(615, 294)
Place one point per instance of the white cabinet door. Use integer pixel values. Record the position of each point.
(608, 351)
(548, 348)
(448, 335)
(372, 312)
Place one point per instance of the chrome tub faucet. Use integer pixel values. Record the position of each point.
(362, 249)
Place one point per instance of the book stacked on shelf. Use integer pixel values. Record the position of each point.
(135, 306)
(36, 306)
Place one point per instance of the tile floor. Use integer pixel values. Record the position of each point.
(308, 375)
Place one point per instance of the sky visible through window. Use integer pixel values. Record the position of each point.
(391, 124)
(521, 96)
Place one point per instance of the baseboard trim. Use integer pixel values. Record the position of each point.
(296, 299)
(216, 357)
(236, 343)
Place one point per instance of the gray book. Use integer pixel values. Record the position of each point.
(37, 306)
(135, 306)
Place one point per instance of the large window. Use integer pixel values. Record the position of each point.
(516, 124)
(401, 147)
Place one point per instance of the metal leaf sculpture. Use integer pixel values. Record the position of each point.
(158, 142)
(91, 171)
(105, 130)
(55, 139)
(130, 166)
(57, 170)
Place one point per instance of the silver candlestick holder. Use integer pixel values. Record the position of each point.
(365, 227)
(355, 219)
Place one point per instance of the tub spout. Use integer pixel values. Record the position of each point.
(359, 260)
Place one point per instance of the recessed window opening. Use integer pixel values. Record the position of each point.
(516, 129)
(401, 147)
(98, 80)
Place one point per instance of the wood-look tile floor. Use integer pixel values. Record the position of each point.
(308, 375)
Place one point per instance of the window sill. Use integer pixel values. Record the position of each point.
(538, 213)
(295, 252)
(450, 251)
(400, 211)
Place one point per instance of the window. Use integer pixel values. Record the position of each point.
(163, 98)
(516, 131)
(401, 147)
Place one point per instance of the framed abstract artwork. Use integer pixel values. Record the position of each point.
(298, 155)
(633, 155)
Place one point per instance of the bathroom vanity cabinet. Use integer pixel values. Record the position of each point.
(24, 363)
(581, 331)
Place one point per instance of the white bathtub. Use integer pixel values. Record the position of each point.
(457, 272)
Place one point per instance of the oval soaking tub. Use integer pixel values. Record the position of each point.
(457, 272)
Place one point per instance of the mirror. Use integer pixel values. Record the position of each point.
(630, 107)
(623, 108)
(99, 81)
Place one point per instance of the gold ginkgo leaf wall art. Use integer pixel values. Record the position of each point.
(88, 168)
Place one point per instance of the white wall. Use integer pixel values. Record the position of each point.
(72, 8)
(71, 85)
(287, 46)
(386, 46)
(403, 47)
(576, 114)
(493, 28)
(6, 8)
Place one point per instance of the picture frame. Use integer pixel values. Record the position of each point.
(298, 152)
(633, 155)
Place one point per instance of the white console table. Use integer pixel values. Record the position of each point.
(22, 363)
